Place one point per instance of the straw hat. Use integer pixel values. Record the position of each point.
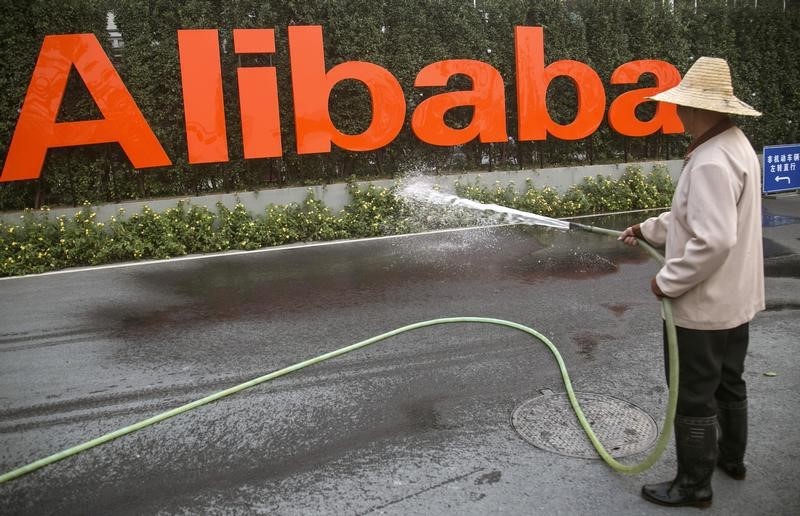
(707, 85)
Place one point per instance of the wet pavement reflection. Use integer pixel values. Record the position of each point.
(88, 352)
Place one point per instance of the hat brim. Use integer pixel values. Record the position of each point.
(710, 101)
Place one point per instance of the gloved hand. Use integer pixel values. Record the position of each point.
(631, 234)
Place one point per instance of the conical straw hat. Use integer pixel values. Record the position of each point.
(707, 85)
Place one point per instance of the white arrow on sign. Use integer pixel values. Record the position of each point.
(782, 178)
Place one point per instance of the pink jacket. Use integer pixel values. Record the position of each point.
(714, 258)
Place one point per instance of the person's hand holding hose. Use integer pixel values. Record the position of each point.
(631, 235)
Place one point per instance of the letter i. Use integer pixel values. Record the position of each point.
(258, 96)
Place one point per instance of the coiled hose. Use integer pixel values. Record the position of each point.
(654, 455)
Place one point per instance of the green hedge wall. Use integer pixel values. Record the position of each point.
(403, 36)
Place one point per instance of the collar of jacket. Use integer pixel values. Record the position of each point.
(720, 127)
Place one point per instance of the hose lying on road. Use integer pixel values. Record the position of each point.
(654, 455)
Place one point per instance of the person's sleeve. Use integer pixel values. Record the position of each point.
(654, 229)
(712, 220)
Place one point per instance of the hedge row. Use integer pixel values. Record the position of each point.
(39, 244)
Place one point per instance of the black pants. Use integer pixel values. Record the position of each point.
(711, 366)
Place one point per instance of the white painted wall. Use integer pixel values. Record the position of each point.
(335, 196)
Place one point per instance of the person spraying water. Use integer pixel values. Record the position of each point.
(714, 274)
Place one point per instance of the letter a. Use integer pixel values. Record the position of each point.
(37, 129)
(622, 113)
(487, 97)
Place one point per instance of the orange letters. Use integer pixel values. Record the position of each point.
(204, 106)
(37, 129)
(533, 78)
(258, 96)
(312, 86)
(487, 97)
(622, 113)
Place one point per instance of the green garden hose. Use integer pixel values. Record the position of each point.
(654, 455)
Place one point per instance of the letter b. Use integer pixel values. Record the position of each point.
(533, 79)
(311, 86)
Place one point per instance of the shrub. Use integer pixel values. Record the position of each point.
(593, 195)
(543, 202)
(238, 229)
(312, 221)
(194, 228)
(374, 211)
(145, 235)
(30, 246)
(278, 226)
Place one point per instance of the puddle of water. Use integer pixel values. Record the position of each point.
(769, 220)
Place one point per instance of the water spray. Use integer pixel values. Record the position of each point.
(425, 193)
(508, 215)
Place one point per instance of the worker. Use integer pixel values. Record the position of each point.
(714, 275)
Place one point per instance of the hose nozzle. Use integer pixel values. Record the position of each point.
(594, 229)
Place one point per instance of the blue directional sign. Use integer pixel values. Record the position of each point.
(781, 168)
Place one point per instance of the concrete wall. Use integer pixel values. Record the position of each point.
(335, 196)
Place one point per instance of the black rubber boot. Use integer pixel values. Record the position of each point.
(696, 446)
(733, 438)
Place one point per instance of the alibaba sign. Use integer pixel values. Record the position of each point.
(122, 122)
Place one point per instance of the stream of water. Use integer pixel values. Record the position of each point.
(425, 192)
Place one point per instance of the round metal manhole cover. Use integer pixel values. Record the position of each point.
(548, 422)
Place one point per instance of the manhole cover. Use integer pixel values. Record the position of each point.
(548, 422)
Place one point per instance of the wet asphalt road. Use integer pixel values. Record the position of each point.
(418, 424)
